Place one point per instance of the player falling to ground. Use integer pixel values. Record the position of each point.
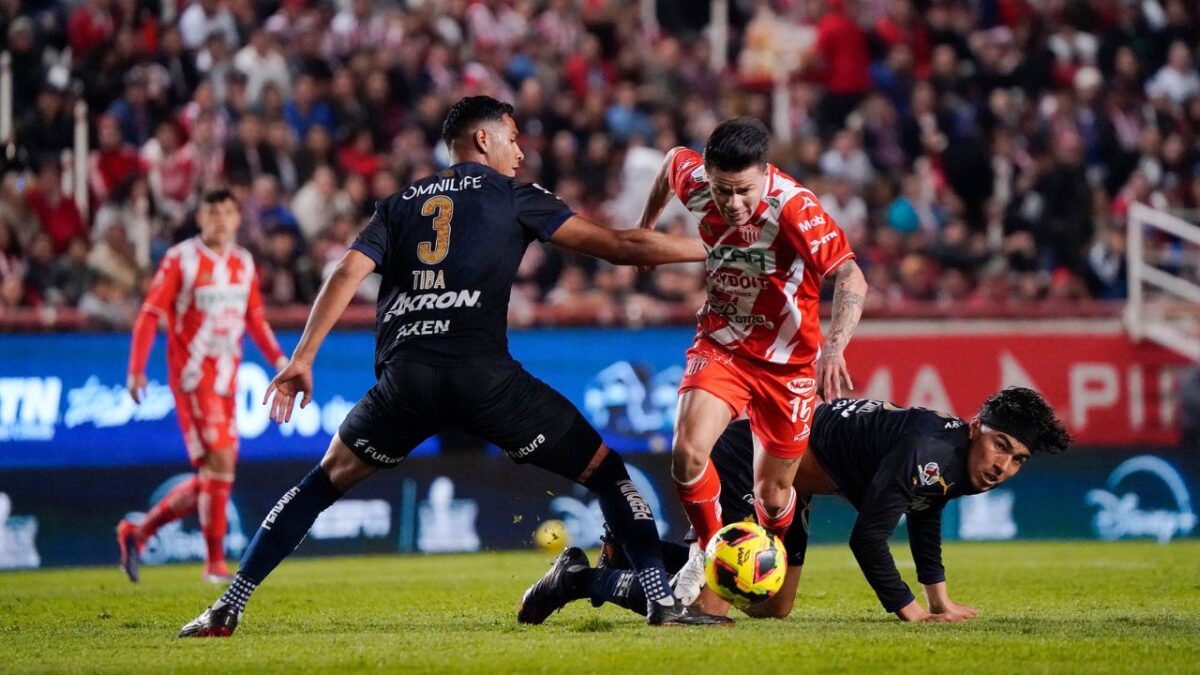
(206, 292)
(759, 348)
(448, 247)
(887, 461)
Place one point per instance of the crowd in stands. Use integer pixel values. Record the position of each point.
(977, 153)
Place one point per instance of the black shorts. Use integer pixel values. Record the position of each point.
(501, 403)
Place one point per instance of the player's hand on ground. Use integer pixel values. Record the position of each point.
(832, 375)
(951, 608)
(137, 387)
(294, 380)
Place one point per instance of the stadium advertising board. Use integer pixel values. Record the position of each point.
(63, 401)
(470, 501)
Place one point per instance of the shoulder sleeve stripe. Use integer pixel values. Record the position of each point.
(834, 265)
(370, 251)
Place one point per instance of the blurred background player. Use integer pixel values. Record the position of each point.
(759, 347)
(206, 291)
(888, 462)
(447, 248)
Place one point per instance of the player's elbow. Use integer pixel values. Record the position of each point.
(850, 276)
(775, 608)
(624, 248)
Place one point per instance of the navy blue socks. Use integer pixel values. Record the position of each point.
(280, 533)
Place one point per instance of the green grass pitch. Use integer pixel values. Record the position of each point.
(1045, 608)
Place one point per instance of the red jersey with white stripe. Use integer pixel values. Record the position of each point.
(208, 300)
(764, 278)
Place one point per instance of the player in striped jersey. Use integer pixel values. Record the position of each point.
(206, 293)
(759, 346)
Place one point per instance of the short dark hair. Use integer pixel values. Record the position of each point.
(1023, 414)
(469, 112)
(218, 195)
(737, 144)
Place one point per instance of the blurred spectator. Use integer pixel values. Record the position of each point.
(107, 305)
(1177, 80)
(305, 109)
(286, 274)
(113, 163)
(171, 170)
(204, 19)
(132, 110)
(974, 153)
(183, 76)
(26, 57)
(113, 257)
(263, 64)
(846, 159)
(45, 131)
(91, 25)
(316, 204)
(55, 211)
(847, 209)
(267, 212)
(249, 155)
(843, 60)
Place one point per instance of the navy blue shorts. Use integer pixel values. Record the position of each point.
(500, 403)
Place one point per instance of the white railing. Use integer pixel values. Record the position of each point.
(6, 99)
(1163, 307)
(80, 168)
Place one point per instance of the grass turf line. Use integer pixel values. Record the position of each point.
(1045, 608)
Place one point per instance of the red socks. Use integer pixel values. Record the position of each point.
(180, 502)
(214, 497)
(777, 524)
(700, 499)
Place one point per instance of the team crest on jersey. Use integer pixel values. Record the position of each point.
(931, 474)
(802, 386)
(773, 202)
(750, 232)
(695, 365)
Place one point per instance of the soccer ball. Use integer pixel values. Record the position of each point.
(551, 536)
(745, 564)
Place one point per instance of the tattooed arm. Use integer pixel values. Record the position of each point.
(850, 287)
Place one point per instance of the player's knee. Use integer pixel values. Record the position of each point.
(220, 462)
(771, 490)
(688, 458)
(610, 470)
(344, 468)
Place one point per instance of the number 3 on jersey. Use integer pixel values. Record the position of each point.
(441, 208)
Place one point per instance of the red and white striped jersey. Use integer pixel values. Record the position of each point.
(764, 278)
(208, 301)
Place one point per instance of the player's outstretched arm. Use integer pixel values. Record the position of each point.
(627, 247)
(335, 295)
(660, 193)
(849, 292)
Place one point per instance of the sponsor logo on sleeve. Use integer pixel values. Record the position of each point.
(818, 243)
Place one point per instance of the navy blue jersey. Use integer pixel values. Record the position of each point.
(448, 247)
(890, 461)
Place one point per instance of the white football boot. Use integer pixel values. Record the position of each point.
(688, 581)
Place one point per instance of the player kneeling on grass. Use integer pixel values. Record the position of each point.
(887, 461)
